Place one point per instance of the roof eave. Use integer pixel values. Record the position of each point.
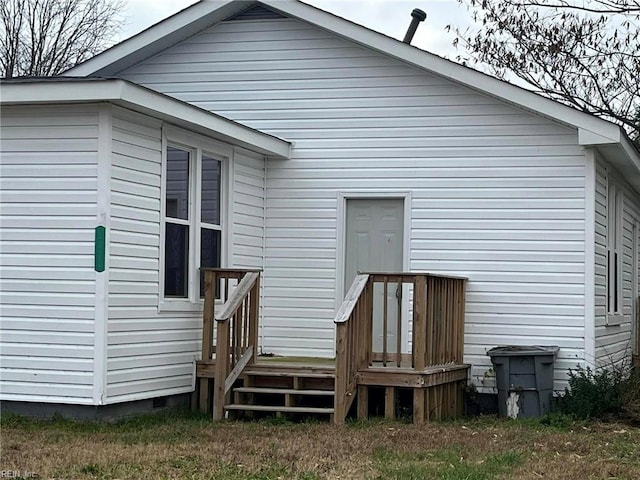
(620, 152)
(163, 107)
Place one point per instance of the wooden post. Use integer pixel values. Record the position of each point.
(207, 318)
(203, 393)
(207, 336)
(399, 323)
(456, 327)
(341, 374)
(234, 326)
(418, 405)
(444, 324)
(367, 321)
(460, 321)
(244, 333)
(353, 341)
(390, 402)
(452, 320)
(363, 402)
(222, 368)
(431, 319)
(254, 319)
(385, 320)
(419, 322)
(441, 320)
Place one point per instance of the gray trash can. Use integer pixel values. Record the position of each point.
(524, 378)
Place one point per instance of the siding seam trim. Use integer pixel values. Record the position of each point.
(265, 162)
(105, 146)
(590, 258)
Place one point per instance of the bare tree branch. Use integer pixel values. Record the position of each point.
(46, 37)
(583, 53)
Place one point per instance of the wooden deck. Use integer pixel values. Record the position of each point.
(233, 379)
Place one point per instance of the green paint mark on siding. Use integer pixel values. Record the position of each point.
(99, 249)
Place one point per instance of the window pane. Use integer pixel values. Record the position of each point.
(176, 260)
(210, 190)
(177, 205)
(209, 254)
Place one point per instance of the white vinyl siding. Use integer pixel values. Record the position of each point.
(51, 338)
(497, 193)
(151, 351)
(48, 180)
(613, 338)
(149, 354)
(248, 210)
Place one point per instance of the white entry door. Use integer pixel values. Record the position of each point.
(374, 243)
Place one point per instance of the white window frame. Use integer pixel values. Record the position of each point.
(197, 145)
(615, 218)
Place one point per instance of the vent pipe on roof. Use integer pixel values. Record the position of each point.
(418, 16)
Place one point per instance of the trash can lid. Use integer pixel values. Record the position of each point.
(518, 350)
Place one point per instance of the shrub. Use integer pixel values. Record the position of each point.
(594, 394)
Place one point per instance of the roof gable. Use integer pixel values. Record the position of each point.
(159, 37)
(592, 130)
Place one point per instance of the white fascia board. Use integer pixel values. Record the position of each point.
(145, 101)
(460, 74)
(588, 138)
(60, 91)
(158, 37)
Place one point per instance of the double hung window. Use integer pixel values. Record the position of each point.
(193, 218)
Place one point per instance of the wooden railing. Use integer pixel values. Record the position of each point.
(353, 340)
(438, 320)
(437, 325)
(236, 335)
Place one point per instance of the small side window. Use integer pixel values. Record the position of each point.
(614, 252)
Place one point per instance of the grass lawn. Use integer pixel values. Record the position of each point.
(191, 446)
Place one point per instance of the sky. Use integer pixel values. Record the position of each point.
(391, 17)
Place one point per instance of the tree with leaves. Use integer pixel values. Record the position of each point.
(582, 53)
(46, 37)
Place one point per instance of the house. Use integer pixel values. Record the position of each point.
(332, 149)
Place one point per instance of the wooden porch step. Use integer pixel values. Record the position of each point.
(274, 373)
(281, 409)
(206, 369)
(288, 391)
